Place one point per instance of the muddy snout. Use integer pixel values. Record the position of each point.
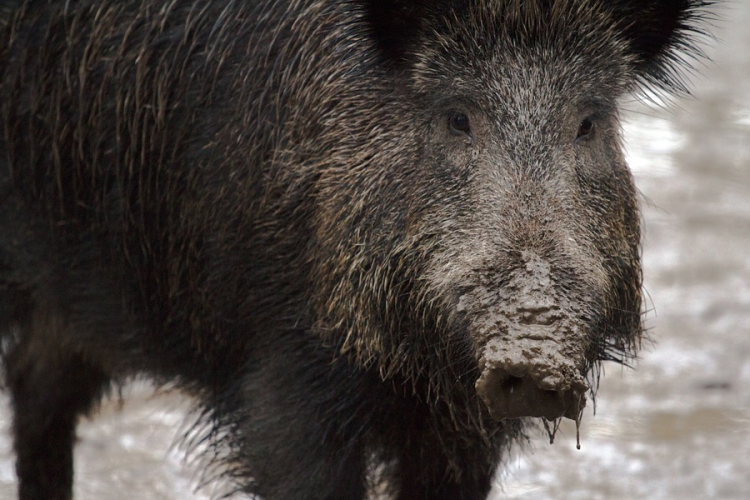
(533, 370)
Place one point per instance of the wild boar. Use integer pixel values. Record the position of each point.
(358, 232)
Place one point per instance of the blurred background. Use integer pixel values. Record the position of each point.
(676, 427)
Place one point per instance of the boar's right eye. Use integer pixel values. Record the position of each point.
(459, 125)
(584, 129)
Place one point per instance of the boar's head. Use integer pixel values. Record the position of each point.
(478, 226)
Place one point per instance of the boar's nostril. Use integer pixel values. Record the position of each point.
(512, 384)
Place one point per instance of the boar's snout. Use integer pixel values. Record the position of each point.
(534, 369)
(516, 393)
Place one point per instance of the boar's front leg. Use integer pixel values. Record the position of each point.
(52, 307)
(303, 435)
(437, 462)
(436, 482)
(49, 391)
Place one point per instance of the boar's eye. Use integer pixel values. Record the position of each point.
(459, 125)
(584, 129)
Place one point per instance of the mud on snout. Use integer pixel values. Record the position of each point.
(532, 345)
(532, 370)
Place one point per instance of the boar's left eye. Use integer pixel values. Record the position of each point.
(459, 125)
(584, 129)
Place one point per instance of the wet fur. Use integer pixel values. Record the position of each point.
(204, 192)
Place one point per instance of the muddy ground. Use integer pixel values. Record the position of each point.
(676, 427)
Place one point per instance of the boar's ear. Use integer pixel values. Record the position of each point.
(661, 34)
(396, 24)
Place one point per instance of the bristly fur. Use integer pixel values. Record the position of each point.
(665, 50)
(663, 36)
(263, 203)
